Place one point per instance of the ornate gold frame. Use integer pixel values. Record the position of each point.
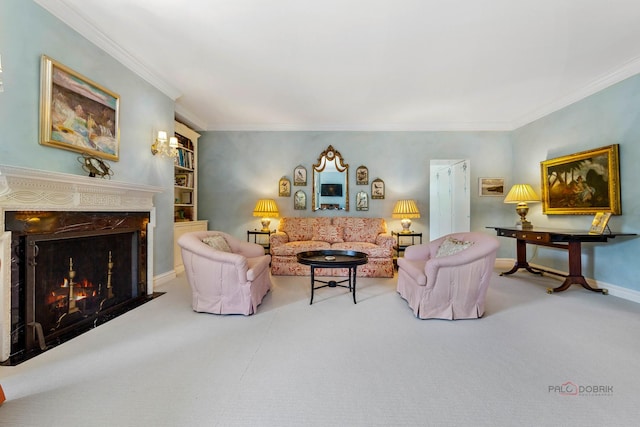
(583, 183)
(76, 113)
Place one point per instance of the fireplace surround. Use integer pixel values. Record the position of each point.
(86, 243)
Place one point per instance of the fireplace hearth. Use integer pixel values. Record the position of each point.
(75, 252)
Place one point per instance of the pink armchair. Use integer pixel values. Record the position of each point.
(225, 282)
(438, 284)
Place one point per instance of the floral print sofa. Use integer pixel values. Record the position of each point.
(299, 234)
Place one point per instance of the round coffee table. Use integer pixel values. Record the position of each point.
(333, 259)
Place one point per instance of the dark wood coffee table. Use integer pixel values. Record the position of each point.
(333, 259)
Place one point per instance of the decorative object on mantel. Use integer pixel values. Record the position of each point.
(521, 194)
(300, 200)
(95, 166)
(284, 187)
(300, 175)
(362, 201)
(583, 183)
(406, 209)
(165, 147)
(266, 208)
(377, 189)
(362, 175)
(76, 113)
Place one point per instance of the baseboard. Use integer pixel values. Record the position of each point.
(616, 291)
(163, 278)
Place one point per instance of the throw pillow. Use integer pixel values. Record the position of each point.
(452, 246)
(327, 233)
(217, 242)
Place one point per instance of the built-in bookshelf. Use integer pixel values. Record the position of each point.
(185, 206)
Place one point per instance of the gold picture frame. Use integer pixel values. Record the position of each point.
(76, 113)
(377, 189)
(599, 223)
(284, 187)
(583, 183)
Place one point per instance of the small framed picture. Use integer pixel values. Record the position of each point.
(300, 175)
(181, 179)
(377, 189)
(599, 223)
(284, 187)
(362, 201)
(362, 175)
(491, 187)
(300, 201)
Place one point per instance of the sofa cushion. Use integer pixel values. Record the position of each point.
(294, 248)
(450, 246)
(301, 228)
(371, 249)
(217, 242)
(360, 229)
(327, 233)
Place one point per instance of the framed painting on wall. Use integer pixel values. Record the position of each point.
(362, 201)
(583, 183)
(300, 200)
(377, 189)
(284, 187)
(300, 175)
(362, 175)
(76, 113)
(491, 187)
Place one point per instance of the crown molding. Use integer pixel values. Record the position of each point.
(619, 74)
(426, 127)
(88, 30)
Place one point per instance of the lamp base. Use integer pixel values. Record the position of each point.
(524, 225)
(406, 226)
(265, 224)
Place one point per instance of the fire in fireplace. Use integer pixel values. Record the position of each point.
(72, 271)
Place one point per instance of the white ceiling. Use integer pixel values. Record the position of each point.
(366, 64)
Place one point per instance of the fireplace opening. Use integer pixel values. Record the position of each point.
(71, 272)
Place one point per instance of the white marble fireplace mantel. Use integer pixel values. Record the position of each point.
(38, 190)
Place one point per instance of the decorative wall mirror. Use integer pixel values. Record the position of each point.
(330, 182)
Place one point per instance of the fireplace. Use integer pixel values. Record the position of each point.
(74, 253)
(71, 271)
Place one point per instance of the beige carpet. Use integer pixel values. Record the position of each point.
(339, 364)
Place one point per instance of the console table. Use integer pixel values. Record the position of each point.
(570, 240)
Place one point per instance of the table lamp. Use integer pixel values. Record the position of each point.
(266, 208)
(405, 209)
(521, 194)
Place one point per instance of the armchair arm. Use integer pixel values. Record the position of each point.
(418, 252)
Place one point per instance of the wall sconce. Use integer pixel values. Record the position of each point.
(521, 194)
(266, 208)
(405, 209)
(163, 146)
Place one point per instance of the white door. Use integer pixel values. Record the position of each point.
(449, 199)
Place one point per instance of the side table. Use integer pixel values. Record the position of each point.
(402, 244)
(260, 240)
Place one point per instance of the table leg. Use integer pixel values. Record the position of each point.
(575, 272)
(312, 282)
(354, 284)
(521, 259)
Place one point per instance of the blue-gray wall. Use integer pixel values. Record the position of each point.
(238, 168)
(26, 33)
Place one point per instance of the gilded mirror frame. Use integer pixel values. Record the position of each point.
(330, 155)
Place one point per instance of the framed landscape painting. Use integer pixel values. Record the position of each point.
(491, 187)
(76, 113)
(584, 183)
